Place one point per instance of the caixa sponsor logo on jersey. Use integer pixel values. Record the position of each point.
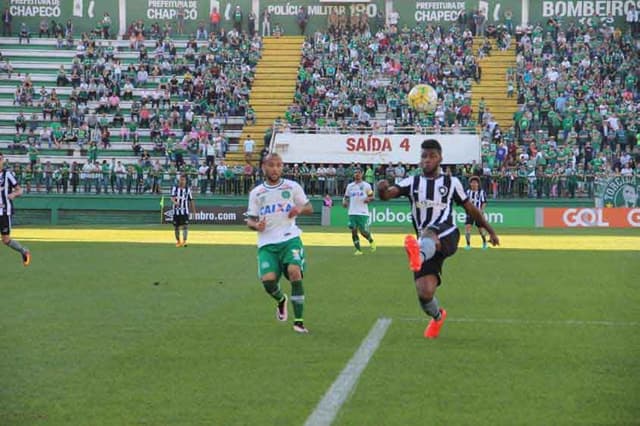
(601, 218)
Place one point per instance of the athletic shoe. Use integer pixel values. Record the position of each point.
(467, 248)
(281, 309)
(299, 327)
(184, 244)
(178, 244)
(373, 246)
(358, 253)
(484, 246)
(26, 258)
(413, 252)
(433, 329)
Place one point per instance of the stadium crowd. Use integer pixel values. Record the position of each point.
(578, 87)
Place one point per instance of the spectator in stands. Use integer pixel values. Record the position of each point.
(24, 34)
(21, 123)
(302, 18)
(632, 19)
(251, 23)
(7, 17)
(5, 66)
(248, 147)
(180, 16)
(237, 19)
(44, 27)
(214, 21)
(201, 31)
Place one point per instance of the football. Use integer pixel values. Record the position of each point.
(423, 98)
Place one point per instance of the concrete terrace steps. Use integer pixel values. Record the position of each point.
(272, 90)
(493, 86)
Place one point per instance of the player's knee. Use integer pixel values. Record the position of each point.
(294, 273)
(427, 248)
(270, 276)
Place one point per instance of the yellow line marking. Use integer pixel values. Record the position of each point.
(525, 241)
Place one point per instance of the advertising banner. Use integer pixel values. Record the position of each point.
(585, 12)
(446, 12)
(398, 214)
(163, 11)
(284, 12)
(211, 215)
(591, 218)
(84, 14)
(372, 149)
(621, 191)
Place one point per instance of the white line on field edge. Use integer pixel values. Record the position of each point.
(517, 321)
(328, 407)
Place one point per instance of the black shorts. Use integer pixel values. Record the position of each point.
(180, 219)
(5, 225)
(448, 246)
(469, 221)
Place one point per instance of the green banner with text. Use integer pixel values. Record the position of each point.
(584, 12)
(429, 12)
(83, 14)
(398, 214)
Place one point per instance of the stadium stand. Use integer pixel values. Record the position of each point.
(556, 106)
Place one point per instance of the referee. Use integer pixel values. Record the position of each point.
(183, 206)
(10, 190)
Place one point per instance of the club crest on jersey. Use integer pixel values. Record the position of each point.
(443, 190)
(286, 195)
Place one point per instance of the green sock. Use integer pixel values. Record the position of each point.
(272, 287)
(177, 232)
(356, 242)
(297, 299)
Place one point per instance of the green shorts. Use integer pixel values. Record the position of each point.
(276, 257)
(359, 222)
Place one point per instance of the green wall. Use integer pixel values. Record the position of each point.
(83, 13)
(114, 210)
(136, 210)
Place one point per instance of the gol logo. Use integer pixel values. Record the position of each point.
(584, 217)
(602, 218)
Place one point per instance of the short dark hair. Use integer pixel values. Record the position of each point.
(431, 144)
(476, 178)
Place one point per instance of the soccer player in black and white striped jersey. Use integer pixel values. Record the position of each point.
(183, 206)
(432, 196)
(9, 191)
(478, 198)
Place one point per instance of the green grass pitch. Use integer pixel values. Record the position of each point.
(147, 334)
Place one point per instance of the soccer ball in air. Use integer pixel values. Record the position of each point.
(423, 98)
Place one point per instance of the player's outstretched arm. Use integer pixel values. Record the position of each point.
(480, 220)
(386, 192)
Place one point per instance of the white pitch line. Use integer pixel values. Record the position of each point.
(330, 404)
(533, 322)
